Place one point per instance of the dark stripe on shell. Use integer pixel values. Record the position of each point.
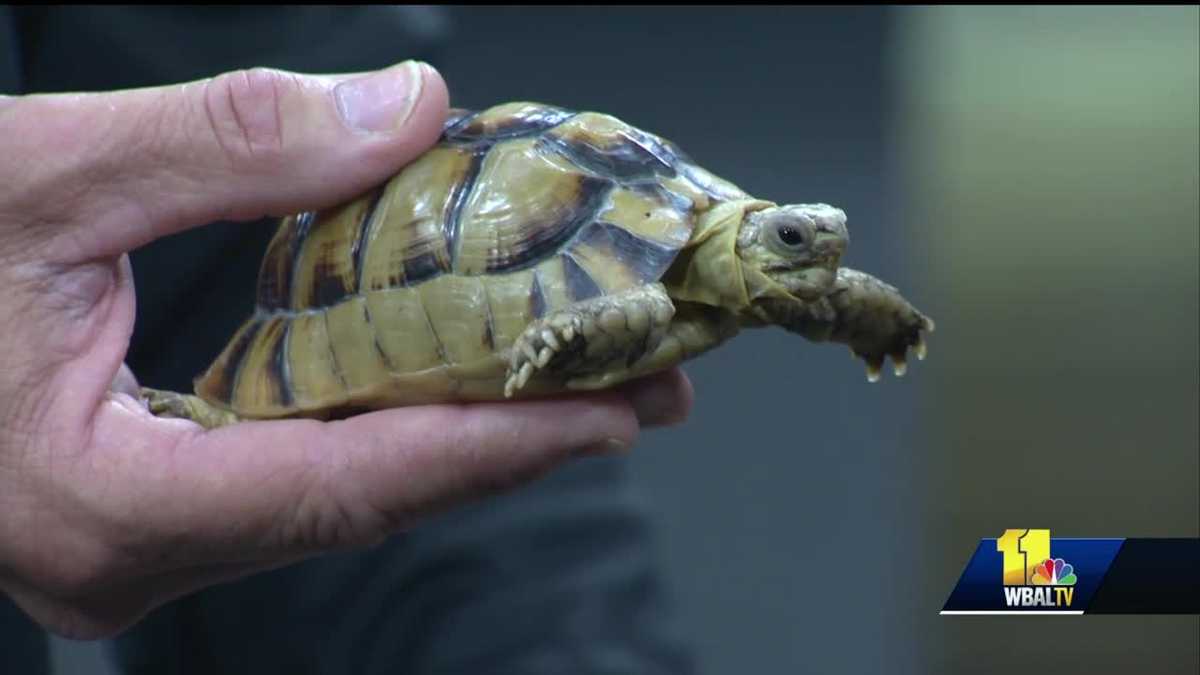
(225, 379)
(678, 202)
(628, 156)
(277, 369)
(328, 286)
(439, 346)
(274, 290)
(333, 359)
(454, 118)
(452, 219)
(543, 238)
(420, 268)
(580, 284)
(537, 298)
(530, 121)
(489, 323)
(647, 259)
(489, 336)
(375, 338)
(361, 243)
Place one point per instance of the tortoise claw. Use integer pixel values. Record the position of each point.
(896, 346)
(537, 348)
(874, 369)
(529, 350)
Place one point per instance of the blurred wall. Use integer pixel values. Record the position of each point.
(1049, 161)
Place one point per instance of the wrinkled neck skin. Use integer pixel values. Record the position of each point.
(709, 271)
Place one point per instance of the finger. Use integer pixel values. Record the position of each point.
(661, 399)
(256, 490)
(134, 165)
(125, 382)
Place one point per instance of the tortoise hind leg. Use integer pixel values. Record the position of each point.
(188, 407)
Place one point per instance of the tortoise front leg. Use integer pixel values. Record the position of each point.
(188, 407)
(599, 335)
(694, 329)
(869, 316)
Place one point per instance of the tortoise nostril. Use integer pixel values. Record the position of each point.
(833, 222)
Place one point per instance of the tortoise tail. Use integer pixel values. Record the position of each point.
(185, 406)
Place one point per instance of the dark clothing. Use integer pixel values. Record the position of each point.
(559, 577)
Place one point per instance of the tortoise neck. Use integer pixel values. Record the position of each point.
(708, 270)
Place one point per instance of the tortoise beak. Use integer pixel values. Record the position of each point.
(816, 281)
(829, 246)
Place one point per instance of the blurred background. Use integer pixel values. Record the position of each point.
(1029, 177)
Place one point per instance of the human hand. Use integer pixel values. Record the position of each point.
(107, 511)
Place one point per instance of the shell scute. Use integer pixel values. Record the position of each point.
(402, 329)
(324, 272)
(261, 383)
(526, 205)
(313, 373)
(407, 240)
(509, 120)
(607, 146)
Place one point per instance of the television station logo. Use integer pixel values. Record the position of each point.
(1026, 572)
(1032, 578)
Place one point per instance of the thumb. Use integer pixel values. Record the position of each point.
(145, 163)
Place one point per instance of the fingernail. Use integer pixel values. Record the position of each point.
(614, 446)
(380, 101)
(609, 446)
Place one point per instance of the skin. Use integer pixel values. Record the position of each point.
(824, 302)
(107, 511)
(788, 258)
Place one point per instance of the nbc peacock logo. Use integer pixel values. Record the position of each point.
(1032, 578)
(1054, 572)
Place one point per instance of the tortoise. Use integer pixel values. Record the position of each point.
(533, 251)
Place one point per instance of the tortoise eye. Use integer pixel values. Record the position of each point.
(791, 237)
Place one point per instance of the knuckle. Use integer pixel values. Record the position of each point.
(323, 521)
(510, 469)
(80, 576)
(245, 113)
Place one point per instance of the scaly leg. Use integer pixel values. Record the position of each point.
(599, 335)
(869, 316)
(694, 329)
(188, 407)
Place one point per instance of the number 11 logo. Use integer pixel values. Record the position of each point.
(1023, 550)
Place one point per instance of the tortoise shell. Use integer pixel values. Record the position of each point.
(414, 291)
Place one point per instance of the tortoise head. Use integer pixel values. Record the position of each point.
(796, 247)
